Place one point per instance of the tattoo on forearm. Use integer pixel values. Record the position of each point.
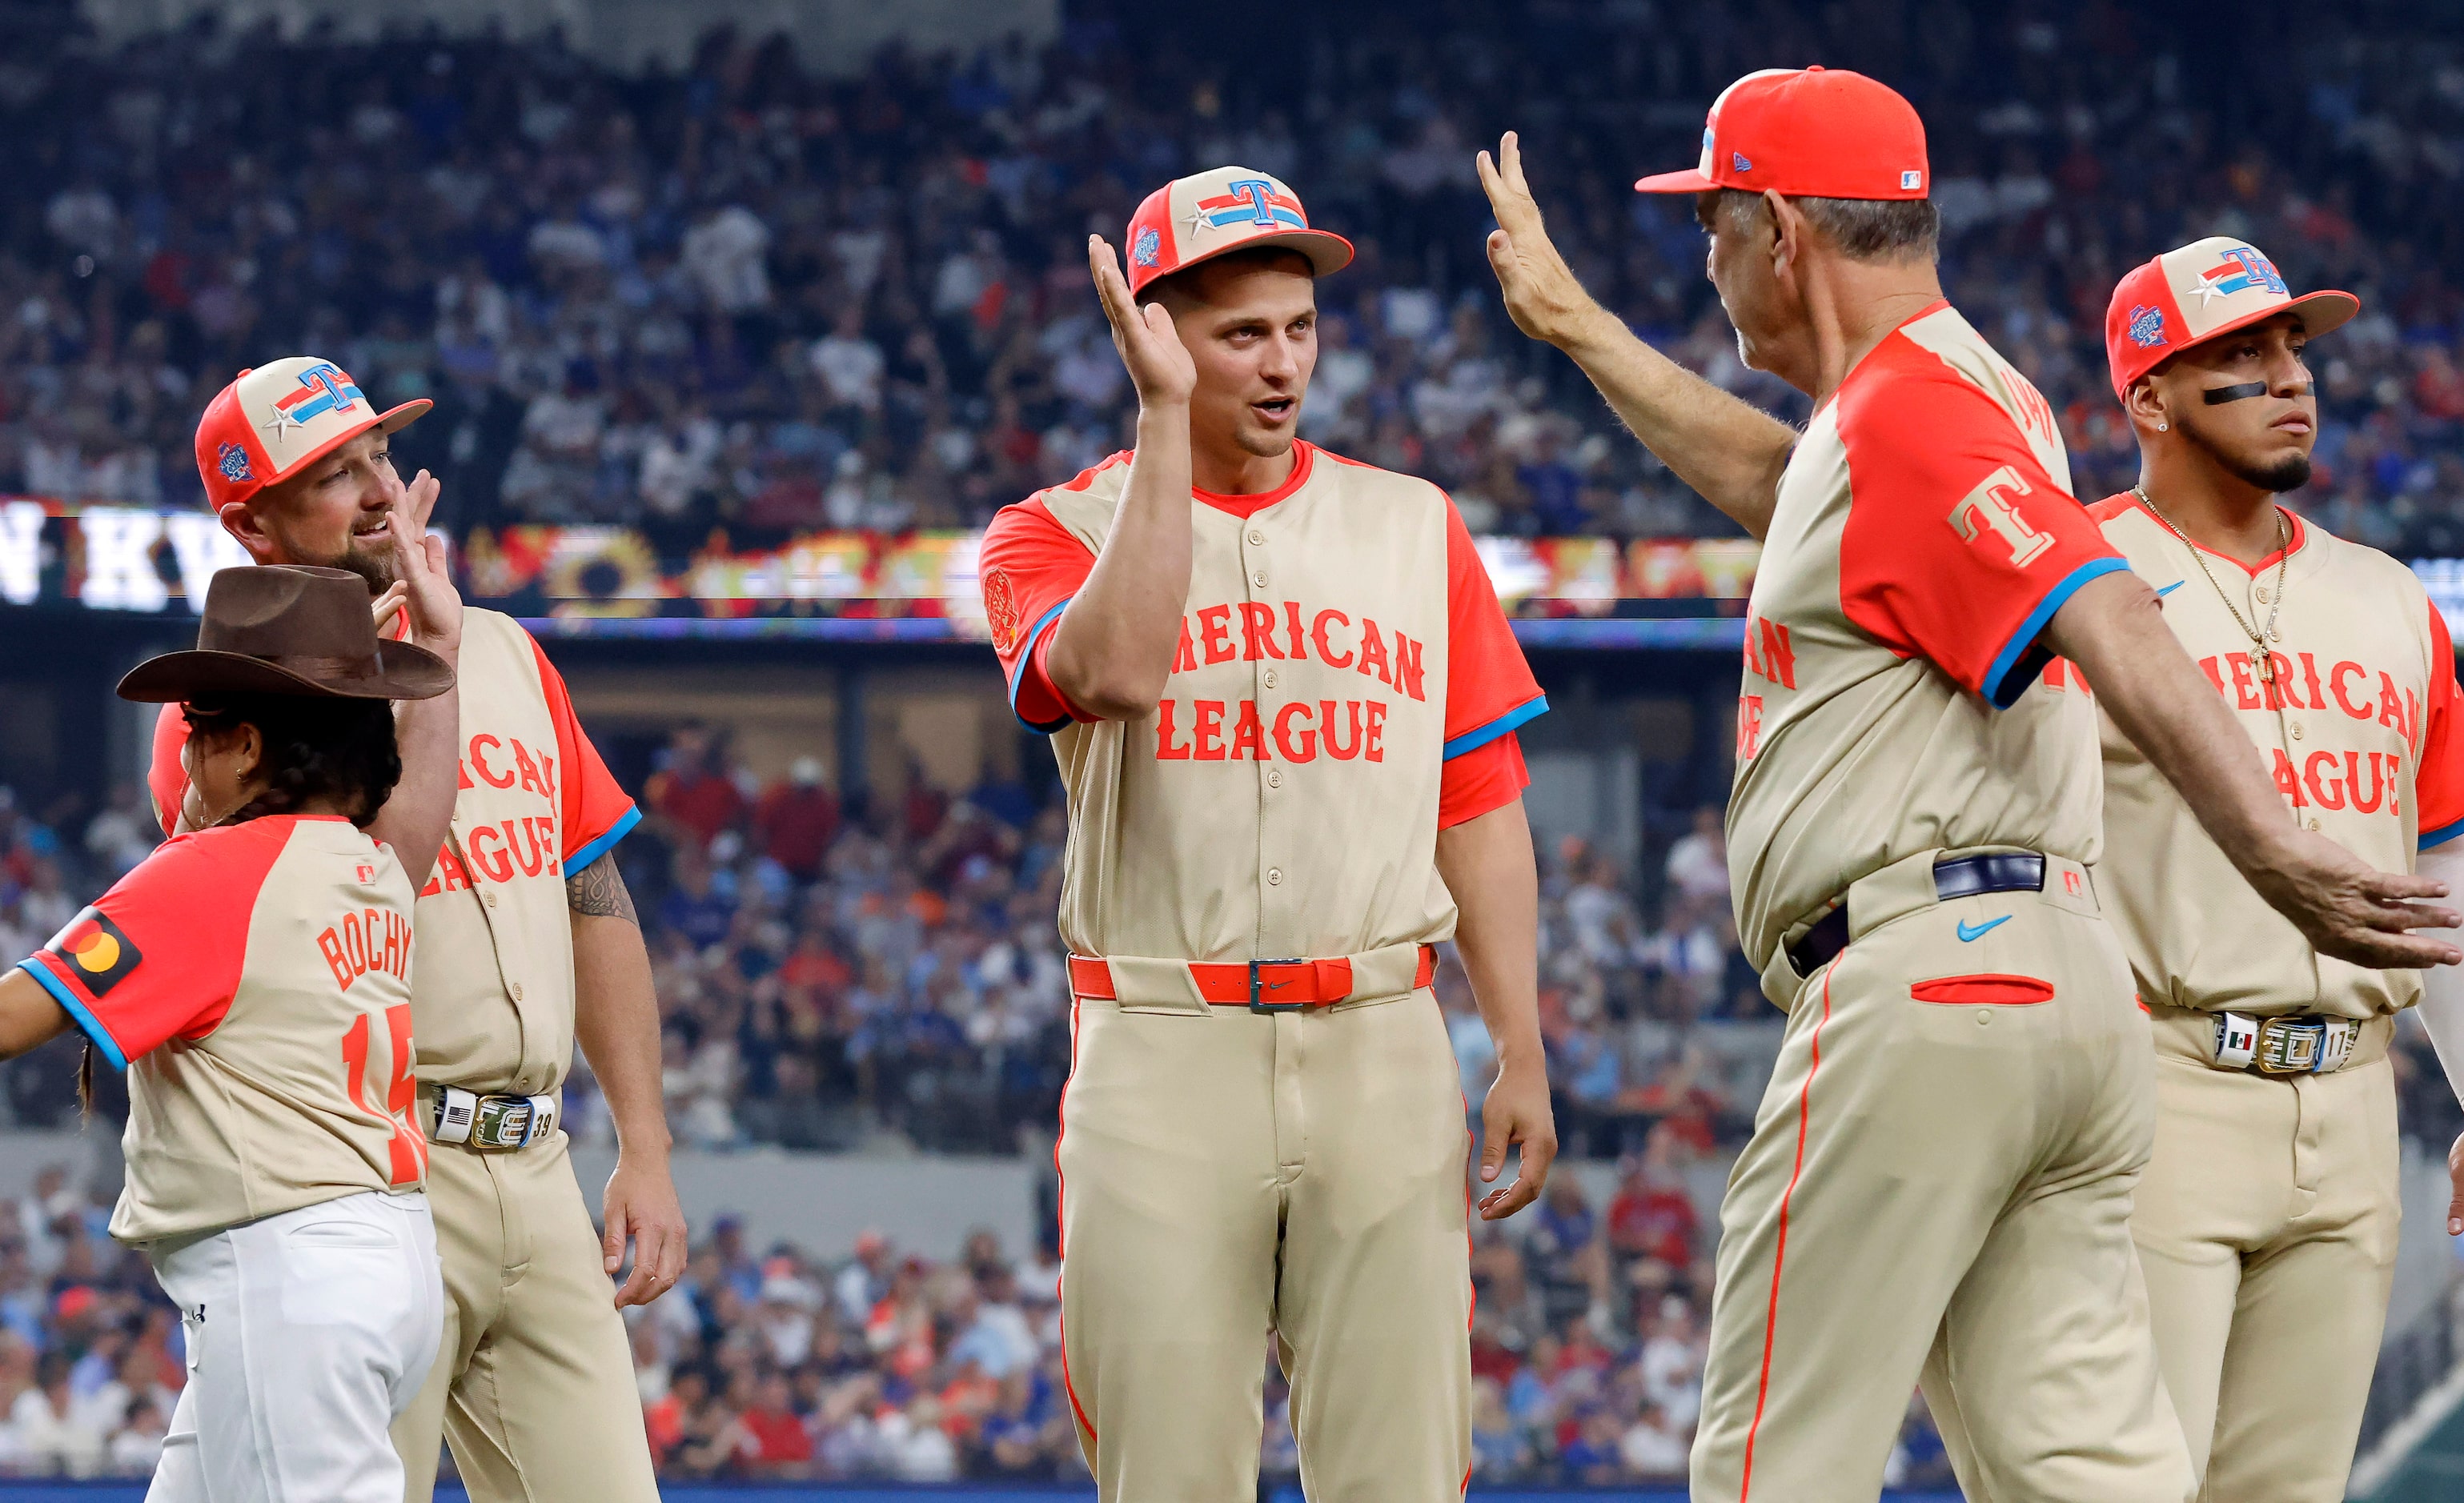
(599, 891)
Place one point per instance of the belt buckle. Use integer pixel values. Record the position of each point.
(2288, 1045)
(1258, 987)
(502, 1123)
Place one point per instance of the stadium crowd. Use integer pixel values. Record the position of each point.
(745, 297)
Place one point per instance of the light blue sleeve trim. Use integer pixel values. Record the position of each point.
(1473, 740)
(87, 1023)
(580, 862)
(2445, 833)
(1993, 687)
(1018, 674)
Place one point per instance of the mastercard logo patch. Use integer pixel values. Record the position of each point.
(97, 951)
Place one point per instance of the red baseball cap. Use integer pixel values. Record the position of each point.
(273, 421)
(1808, 133)
(2201, 292)
(1199, 217)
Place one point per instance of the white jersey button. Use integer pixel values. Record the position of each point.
(1258, 578)
(1275, 874)
(1274, 777)
(517, 991)
(2296, 731)
(2262, 595)
(1257, 539)
(1268, 678)
(488, 897)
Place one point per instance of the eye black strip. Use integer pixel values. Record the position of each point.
(2218, 396)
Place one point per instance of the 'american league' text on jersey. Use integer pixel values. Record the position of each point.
(1346, 685)
(2356, 715)
(1923, 536)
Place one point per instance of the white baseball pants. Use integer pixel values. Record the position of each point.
(307, 1333)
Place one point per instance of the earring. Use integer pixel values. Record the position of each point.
(2161, 428)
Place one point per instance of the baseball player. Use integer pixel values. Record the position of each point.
(1284, 700)
(2267, 1219)
(1938, 1184)
(525, 917)
(253, 979)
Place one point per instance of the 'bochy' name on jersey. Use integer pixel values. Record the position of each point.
(366, 940)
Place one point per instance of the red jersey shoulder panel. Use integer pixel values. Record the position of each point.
(2439, 783)
(593, 810)
(160, 955)
(1490, 686)
(1958, 545)
(1028, 569)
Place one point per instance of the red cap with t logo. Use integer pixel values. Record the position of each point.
(1808, 133)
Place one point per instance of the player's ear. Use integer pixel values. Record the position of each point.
(2145, 405)
(1786, 229)
(241, 519)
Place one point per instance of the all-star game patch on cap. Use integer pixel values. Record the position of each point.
(1808, 133)
(1199, 217)
(96, 950)
(2200, 292)
(273, 421)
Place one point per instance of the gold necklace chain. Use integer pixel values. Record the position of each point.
(2260, 657)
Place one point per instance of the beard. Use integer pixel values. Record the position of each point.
(377, 566)
(2288, 472)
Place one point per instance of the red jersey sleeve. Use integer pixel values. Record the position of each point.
(2439, 783)
(166, 781)
(1486, 778)
(1029, 569)
(1489, 688)
(1959, 547)
(159, 956)
(594, 812)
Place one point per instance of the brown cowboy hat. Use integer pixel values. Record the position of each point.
(288, 629)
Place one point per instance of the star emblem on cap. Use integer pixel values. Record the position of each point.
(1199, 221)
(279, 422)
(2208, 292)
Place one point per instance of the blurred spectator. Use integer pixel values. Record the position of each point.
(1698, 864)
(797, 820)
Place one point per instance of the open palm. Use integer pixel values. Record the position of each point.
(1158, 363)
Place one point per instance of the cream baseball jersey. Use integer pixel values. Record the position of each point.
(2355, 711)
(1346, 683)
(1923, 537)
(255, 982)
(495, 995)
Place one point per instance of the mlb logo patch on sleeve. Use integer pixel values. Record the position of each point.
(97, 953)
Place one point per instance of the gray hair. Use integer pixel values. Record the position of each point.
(1863, 228)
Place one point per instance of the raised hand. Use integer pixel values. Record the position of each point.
(1541, 296)
(1158, 363)
(421, 573)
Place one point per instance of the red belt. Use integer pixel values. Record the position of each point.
(1261, 986)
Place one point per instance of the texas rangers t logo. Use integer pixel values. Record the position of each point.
(1985, 510)
(1258, 191)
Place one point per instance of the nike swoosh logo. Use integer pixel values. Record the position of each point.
(2168, 589)
(1970, 932)
(1277, 986)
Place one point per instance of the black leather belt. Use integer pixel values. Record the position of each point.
(1958, 877)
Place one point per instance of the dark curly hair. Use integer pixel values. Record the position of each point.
(315, 748)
